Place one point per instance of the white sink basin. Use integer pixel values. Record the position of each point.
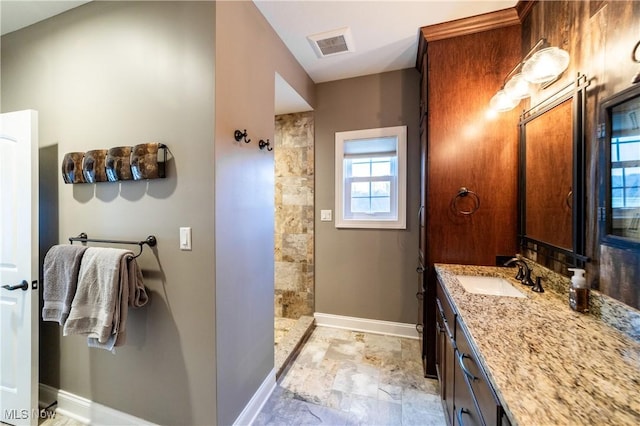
(492, 286)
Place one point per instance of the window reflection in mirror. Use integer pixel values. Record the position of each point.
(625, 169)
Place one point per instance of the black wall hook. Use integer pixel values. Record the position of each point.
(239, 135)
(262, 145)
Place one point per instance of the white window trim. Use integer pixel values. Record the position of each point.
(400, 132)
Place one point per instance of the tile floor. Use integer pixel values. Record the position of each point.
(55, 419)
(342, 377)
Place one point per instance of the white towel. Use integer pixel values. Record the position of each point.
(60, 278)
(99, 308)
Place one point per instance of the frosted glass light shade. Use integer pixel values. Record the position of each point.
(517, 87)
(502, 102)
(545, 65)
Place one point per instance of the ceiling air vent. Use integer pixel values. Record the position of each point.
(332, 43)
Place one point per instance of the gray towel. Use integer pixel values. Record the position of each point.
(99, 309)
(60, 278)
(132, 293)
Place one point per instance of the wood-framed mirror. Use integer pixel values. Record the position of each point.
(619, 206)
(551, 176)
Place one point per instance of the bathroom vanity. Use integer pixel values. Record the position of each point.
(532, 360)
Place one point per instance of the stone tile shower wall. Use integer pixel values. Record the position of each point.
(294, 195)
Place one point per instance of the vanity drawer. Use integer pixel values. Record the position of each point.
(488, 404)
(445, 307)
(465, 410)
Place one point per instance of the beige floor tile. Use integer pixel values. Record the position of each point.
(55, 419)
(354, 378)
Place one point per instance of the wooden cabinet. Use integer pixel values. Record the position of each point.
(420, 300)
(445, 350)
(467, 396)
(441, 341)
(467, 149)
(427, 303)
(465, 408)
(422, 210)
(462, 65)
(471, 378)
(422, 214)
(428, 289)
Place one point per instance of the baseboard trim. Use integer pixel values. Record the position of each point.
(252, 409)
(367, 325)
(84, 410)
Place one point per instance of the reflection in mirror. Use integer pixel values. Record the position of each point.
(551, 178)
(623, 171)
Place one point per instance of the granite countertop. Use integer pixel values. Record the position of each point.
(548, 364)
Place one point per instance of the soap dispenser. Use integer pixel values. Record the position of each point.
(578, 291)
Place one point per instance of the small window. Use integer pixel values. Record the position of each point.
(371, 178)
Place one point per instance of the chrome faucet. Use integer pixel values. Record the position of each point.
(524, 272)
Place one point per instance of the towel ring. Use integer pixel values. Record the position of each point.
(462, 193)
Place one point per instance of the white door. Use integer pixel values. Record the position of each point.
(19, 264)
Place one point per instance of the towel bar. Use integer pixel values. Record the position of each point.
(150, 241)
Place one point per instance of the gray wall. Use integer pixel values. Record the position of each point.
(359, 272)
(120, 73)
(248, 54)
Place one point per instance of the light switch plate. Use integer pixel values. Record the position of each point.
(185, 238)
(325, 215)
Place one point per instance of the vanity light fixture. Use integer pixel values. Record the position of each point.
(545, 65)
(541, 65)
(502, 102)
(518, 87)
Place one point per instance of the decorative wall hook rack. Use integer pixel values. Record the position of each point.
(238, 135)
(150, 241)
(262, 145)
(122, 163)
